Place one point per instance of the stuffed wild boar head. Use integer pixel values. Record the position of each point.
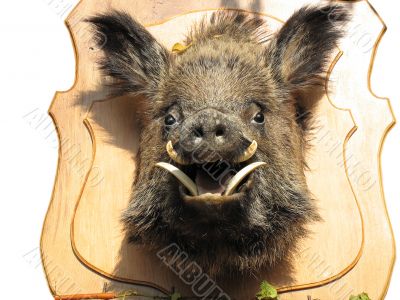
(222, 138)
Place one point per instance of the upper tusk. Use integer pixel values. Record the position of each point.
(234, 182)
(172, 153)
(182, 177)
(248, 153)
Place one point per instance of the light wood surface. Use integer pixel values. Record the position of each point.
(83, 248)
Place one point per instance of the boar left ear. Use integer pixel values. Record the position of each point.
(300, 51)
(132, 56)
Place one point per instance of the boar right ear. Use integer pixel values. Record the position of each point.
(132, 56)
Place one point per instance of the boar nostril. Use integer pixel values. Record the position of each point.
(198, 132)
(219, 132)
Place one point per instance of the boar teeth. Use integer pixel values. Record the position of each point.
(172, 153)
(248, 153)
(182, 177)
(235, 181)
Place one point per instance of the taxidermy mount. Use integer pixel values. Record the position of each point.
(223, 132)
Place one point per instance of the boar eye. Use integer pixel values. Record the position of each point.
(169, 120)
(258, 118)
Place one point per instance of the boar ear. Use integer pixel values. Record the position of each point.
(301, 49)
(132, 57)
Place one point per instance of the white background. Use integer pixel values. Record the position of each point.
(36, 59)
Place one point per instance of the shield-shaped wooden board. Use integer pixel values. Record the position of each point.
(84, 250)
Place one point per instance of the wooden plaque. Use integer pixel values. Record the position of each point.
(351, 251)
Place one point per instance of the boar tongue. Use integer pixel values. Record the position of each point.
(207, 184)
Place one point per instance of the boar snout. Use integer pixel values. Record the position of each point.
(210, 135)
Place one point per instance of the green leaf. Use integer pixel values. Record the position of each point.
(267, 292)
(175, 296)
(363, 296)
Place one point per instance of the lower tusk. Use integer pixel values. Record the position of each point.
(172, 153)
(182, 177)
(248, 153)
(237, 179)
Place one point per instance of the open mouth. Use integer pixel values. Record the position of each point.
(213, 179)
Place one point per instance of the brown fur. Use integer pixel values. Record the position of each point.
(226, 76)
